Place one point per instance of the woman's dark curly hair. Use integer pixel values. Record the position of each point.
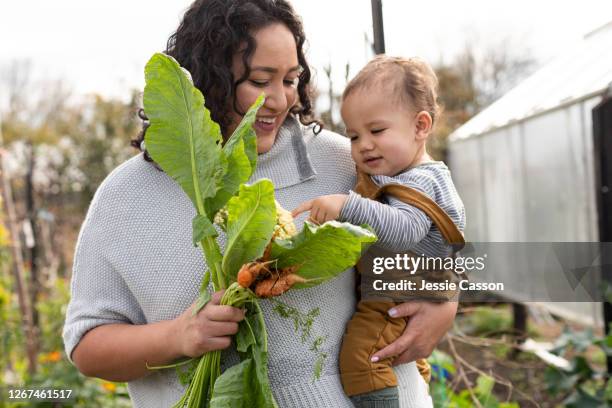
(211, 33)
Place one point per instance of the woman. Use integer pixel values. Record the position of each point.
(136, 272)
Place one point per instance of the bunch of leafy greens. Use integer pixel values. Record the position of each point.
(187, 144)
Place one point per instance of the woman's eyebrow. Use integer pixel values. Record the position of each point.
(273, 70)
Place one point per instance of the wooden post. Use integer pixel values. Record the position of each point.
(33, 248)
(18, 270)
(378, 28)
(519, 314)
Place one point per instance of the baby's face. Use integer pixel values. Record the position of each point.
(383, 134)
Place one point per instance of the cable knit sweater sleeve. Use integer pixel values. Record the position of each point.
(112, 301)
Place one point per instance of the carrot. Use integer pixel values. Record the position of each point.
(249, 272)
(277, 285)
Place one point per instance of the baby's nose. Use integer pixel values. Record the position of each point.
(365, 146)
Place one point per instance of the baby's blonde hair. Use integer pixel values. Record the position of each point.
(411, 80)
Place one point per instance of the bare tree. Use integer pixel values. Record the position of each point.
(25, 301)
(474, 79)
(492, 69)
(335, 98)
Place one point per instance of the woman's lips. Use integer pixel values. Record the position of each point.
(264, 126)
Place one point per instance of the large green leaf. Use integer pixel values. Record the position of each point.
(322, 252)
(241, 153)
(259, 353)
(231, 388)
(202, 228)
(182, 138)
(245, 131)
(247, 384)
(240, 387)
(250, 224)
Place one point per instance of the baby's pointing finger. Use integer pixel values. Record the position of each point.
(305, 206)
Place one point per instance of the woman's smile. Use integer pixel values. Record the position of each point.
(265, 125)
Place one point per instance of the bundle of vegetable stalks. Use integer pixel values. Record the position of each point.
(264, 255)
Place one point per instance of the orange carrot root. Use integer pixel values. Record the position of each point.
(277, 286)
(245, 276)
(249, 273)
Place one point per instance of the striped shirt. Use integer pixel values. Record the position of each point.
(401, 227)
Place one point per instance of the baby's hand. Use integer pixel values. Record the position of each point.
(324, 208)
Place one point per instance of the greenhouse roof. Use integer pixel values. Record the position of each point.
(584, 69)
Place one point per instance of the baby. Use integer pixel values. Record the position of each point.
(389, 110)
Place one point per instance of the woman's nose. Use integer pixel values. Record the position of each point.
(279, 98)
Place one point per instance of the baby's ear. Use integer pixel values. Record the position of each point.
(423, 123)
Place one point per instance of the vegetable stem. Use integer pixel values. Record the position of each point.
(213, 256)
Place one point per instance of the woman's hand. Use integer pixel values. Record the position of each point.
(427, 323)
(211, 329)
(322, 209)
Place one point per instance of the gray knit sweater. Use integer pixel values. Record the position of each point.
(135, 263)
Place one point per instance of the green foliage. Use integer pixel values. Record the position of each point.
(250, 223)
(53, 370)
(583, 385)
(247, 384)
(182, 138)
(186, 144)
(322, 251)
(203, 299)
(11, 333)
(441, 363)
(202, 228)
(241, 153)
(445, 396)
(321, 356)
(484, 321)
(302, 321)
(186, 371)
(75, 142)
(303, 325)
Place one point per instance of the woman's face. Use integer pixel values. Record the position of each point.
(274, 72)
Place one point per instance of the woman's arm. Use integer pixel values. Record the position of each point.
(121, 352)
(427, 324)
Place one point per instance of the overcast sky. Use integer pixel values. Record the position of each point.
(103, 46)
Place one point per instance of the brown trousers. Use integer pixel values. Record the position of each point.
(370, 330)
